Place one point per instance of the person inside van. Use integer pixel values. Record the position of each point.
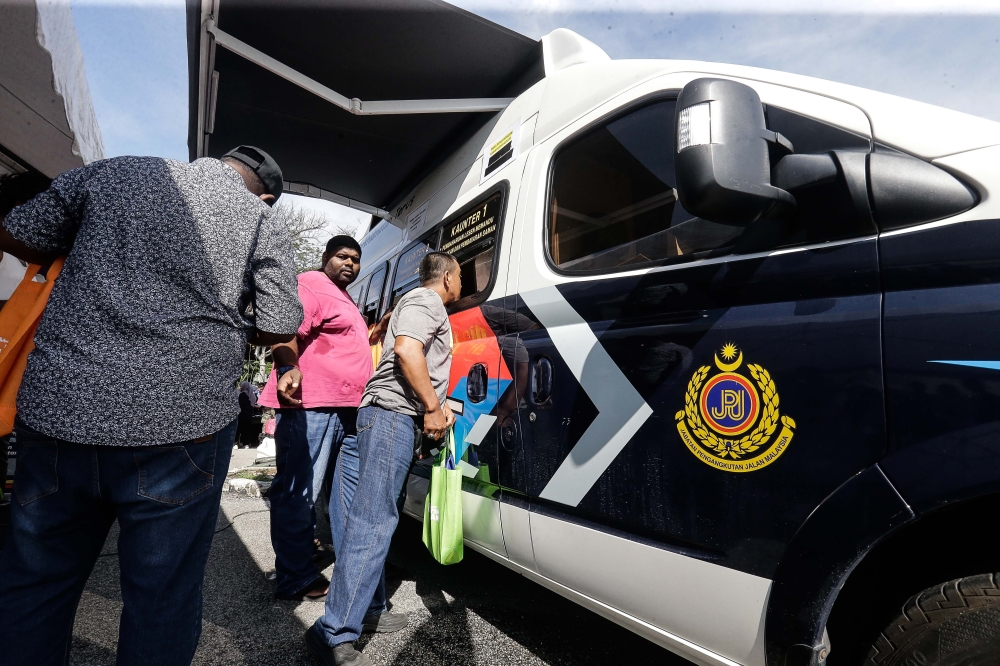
(406, 396)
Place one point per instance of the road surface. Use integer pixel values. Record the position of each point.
(476, 612)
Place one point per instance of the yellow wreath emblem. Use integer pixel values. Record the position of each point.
(735, 455)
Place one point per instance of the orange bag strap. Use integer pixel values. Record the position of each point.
(18, 322)
(21, 313)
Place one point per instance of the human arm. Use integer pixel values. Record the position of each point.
(285, 353)
(288, 384)
(410, 354)
(377, 334)
(39, 219)
(277, 310)
(10, 245)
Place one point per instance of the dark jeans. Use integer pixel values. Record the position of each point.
(306, 441)
(66, 496)
(385, 447)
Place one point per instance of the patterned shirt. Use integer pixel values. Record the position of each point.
(143, 337)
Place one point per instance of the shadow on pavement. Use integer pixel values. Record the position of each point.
(475, 602)
(242, 622)
(476, 612)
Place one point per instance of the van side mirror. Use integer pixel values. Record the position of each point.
(722, 163)
(907, 191)
(894, 189)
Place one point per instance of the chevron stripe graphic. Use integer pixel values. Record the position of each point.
(622, 411)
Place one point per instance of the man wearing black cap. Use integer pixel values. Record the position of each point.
(316, 386)
(260, 172)
(163, 263)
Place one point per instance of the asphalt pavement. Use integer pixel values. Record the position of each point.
(476, 612)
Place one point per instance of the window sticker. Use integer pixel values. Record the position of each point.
(473, 232)
(415, 220)
(501, 152)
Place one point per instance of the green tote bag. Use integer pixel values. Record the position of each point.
(443, 508)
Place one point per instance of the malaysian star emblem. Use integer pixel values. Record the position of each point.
(731, 421)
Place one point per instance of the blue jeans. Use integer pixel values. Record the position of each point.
(305, 442)
(385, 447)
(345, 483)
(66, 496)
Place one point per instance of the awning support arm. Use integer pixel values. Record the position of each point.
(306, 190)
(354, 105)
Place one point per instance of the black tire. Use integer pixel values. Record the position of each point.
(952, 624)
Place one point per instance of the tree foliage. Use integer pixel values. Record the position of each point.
(309, 229)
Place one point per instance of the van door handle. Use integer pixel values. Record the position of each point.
(541, 381)
(475, 386)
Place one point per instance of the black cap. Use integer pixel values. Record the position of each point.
(343, 240)
(261, 164)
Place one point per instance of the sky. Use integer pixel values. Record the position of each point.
(135, 56)
(945, 52)
(941, 52)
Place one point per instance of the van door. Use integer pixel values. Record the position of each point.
(474, 237)
(692, 390)
(478, 237)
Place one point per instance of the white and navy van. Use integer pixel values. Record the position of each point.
(727, 363)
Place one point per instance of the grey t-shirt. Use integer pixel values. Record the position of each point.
(420, 315)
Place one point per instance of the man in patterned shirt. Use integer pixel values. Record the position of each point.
(164, 263)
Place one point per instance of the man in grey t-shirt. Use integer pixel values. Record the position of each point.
(410, 385)
(419, 315)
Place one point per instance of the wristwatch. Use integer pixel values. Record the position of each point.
(282, 369)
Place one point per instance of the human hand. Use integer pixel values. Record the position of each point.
(449, 415)
(437, 422)
(377, 334)
(288, 384)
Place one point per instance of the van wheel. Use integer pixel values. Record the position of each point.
(952, 624)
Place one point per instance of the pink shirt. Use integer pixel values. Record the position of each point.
(334, 356)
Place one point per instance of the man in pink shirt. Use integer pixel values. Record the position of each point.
(316, 386)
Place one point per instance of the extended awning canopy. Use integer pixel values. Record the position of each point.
(47, 120)
(357, 100)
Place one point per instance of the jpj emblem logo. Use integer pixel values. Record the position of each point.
(729, 420)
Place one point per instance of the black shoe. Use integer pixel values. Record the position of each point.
(312, 592)
(386, 623)
(341, 655)
(322, 555)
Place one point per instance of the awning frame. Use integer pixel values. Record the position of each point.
(449, 121)
(355, 105)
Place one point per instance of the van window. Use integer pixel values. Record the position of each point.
(408, 267)
(613, 203)
(357, 291)
(369, 307)
(471, 238)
